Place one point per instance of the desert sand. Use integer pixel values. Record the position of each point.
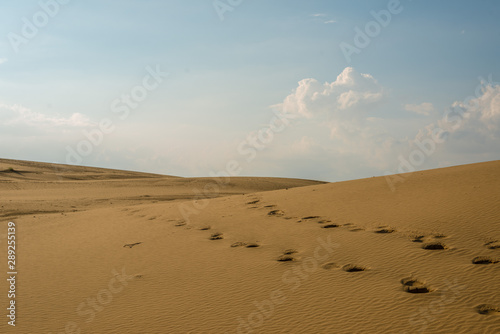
(108, 251)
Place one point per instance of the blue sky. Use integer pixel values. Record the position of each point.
(227, 79)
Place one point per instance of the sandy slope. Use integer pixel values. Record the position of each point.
(37, 188)
(123, 262)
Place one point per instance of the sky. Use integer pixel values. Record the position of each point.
(324, 90)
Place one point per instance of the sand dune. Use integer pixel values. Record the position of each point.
(52, 188)
(105, 251)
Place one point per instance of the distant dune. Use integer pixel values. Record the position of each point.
(109, 251)
(54, 188)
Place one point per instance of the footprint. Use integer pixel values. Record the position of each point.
(330, 226)
(439, 236)
(330, 265)
(487, 309)
(276, 213)
(180, 223)
(216, 236)
(495, 244)
(417, 238)
(244, 244)
(310, 217)
(412, 285)
(483, 260)
(205, 228)
(287, 255)
(239, 244)
(270, 206)
(383, 230)
(285, 258)
(132, 245)
(253, 202)
(324, 221)
(352, 268)
(356, 229)
(434, 246)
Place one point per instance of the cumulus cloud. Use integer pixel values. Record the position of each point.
(349, 91)
(478, 117)
(486, 108)
(422, 109)
(344, 109)
(17, 114)
(338, 120)
(361, 140)
(469, 131)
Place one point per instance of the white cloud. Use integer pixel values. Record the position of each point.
(321, 17)
(17, 114)
(338, 124)
(422, 109)
(3, 60)
(351, 90)
(337, 120)
(469, 131)
(480, 115)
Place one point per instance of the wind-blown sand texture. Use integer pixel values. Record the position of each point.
(107, 251)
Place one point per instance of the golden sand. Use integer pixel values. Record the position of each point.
(107, 251)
